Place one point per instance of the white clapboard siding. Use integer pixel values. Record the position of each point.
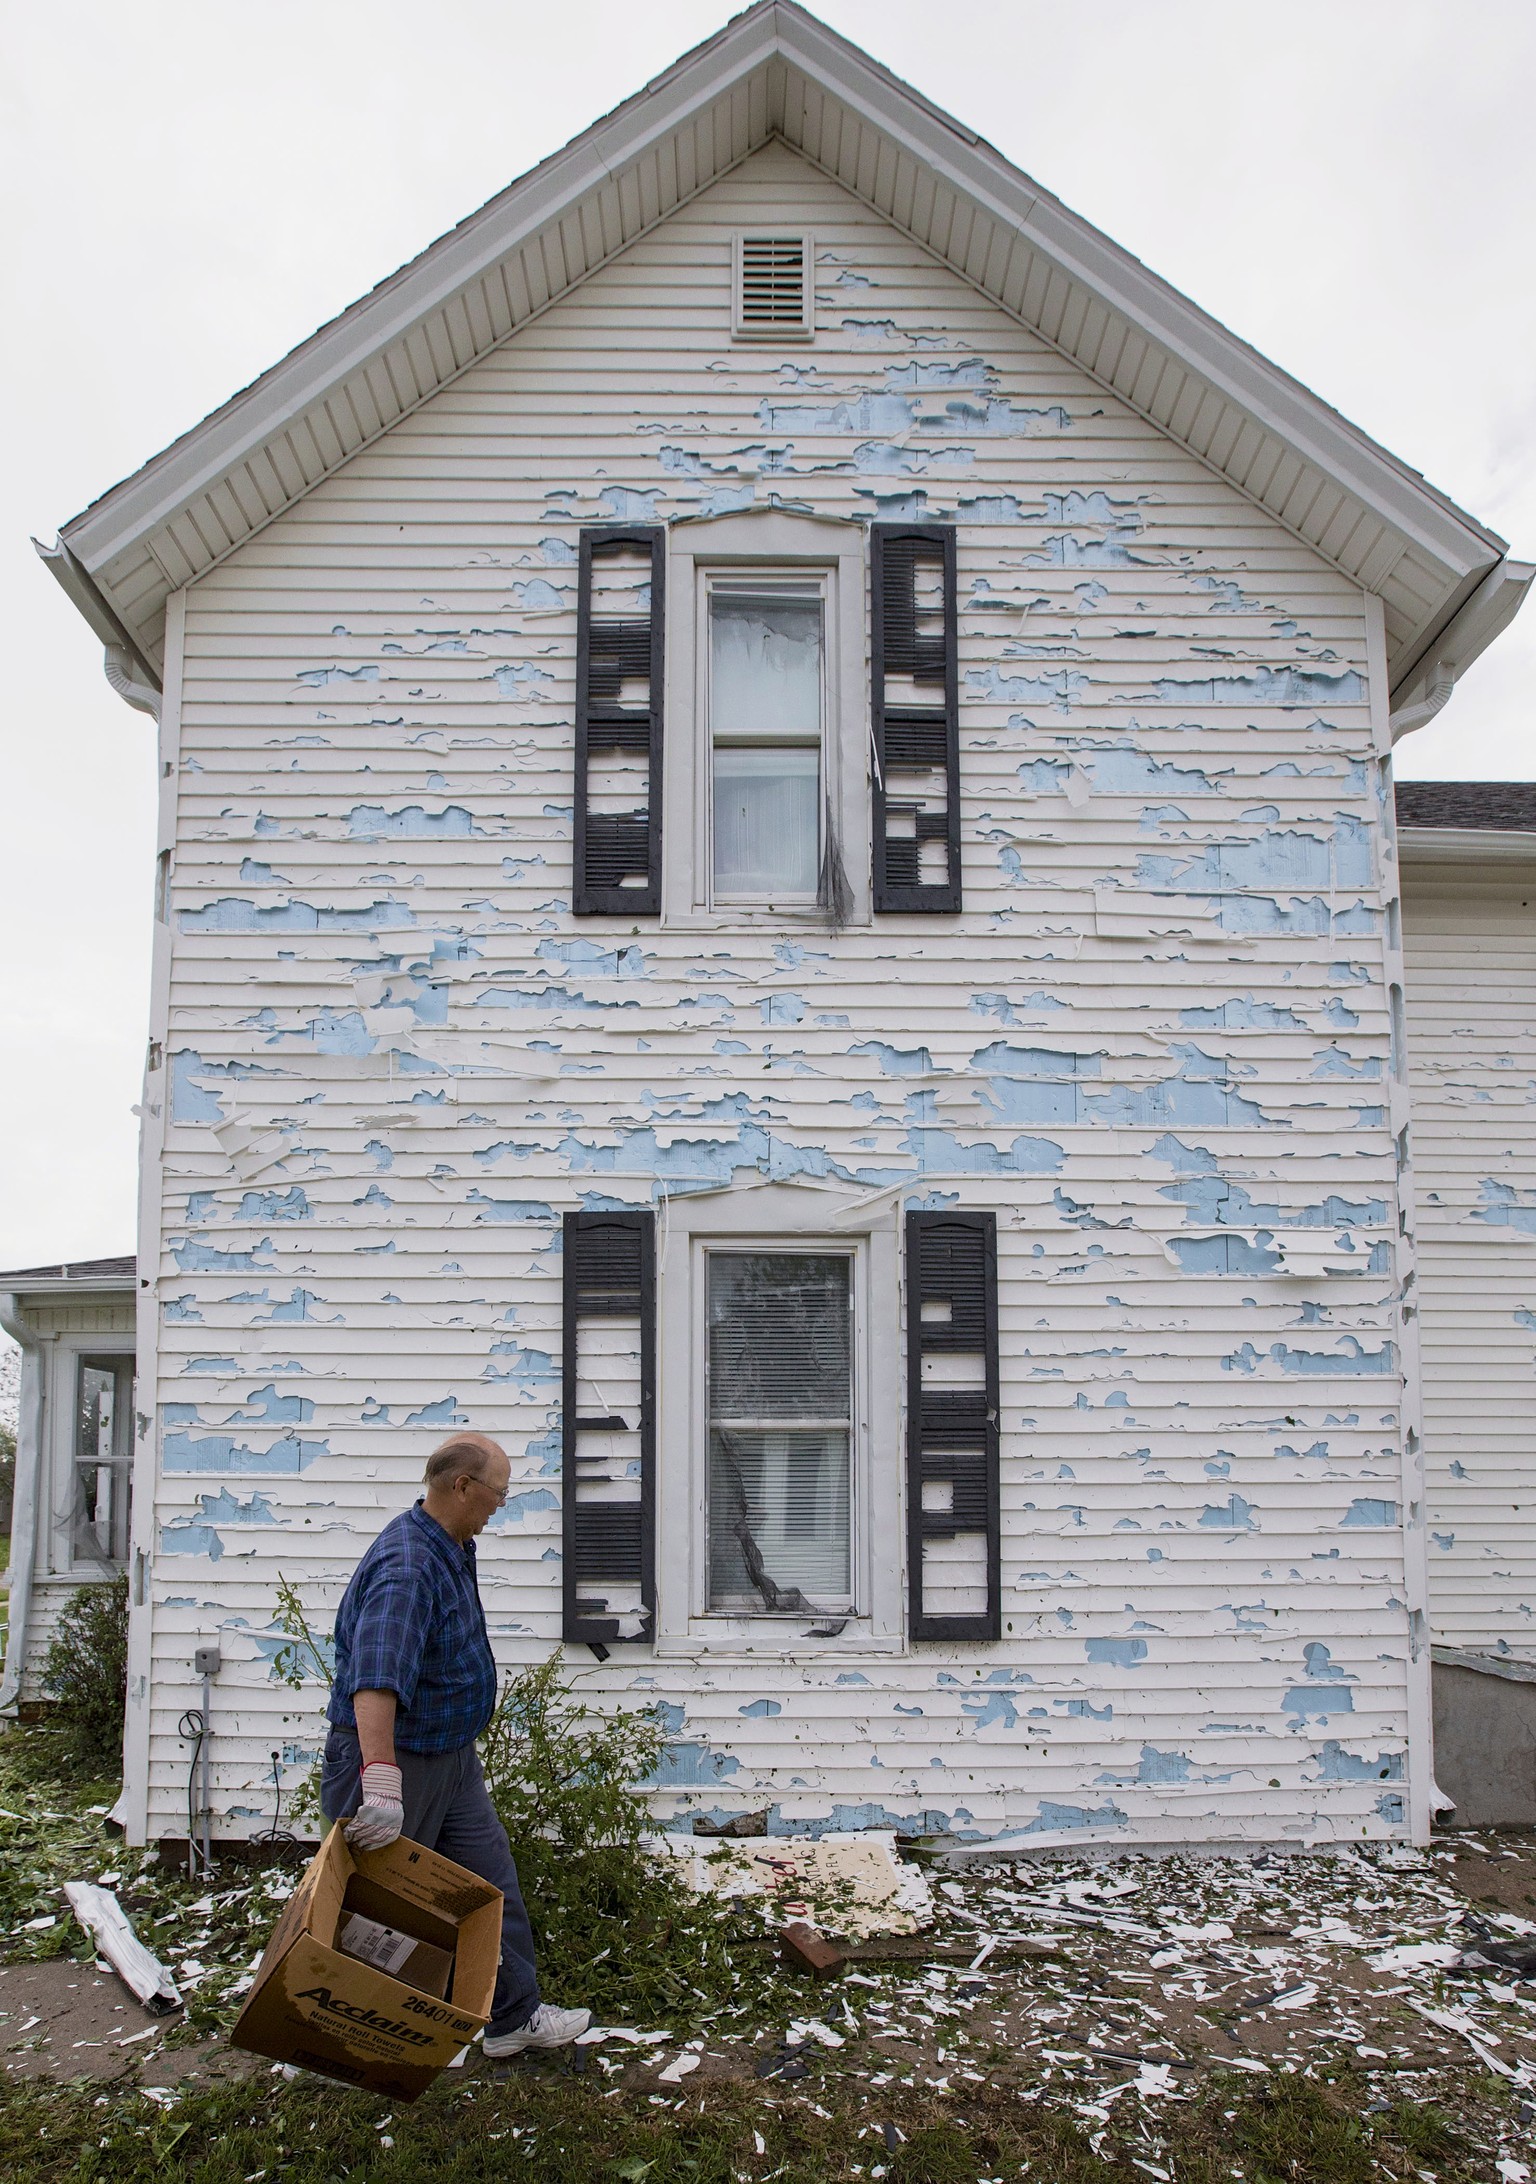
(1204, 1592)
(1469, 929)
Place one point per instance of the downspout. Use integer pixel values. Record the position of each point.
(29, 1444)
(118, 665)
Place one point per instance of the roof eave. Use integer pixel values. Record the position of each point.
(1483, 610)
(81, 589)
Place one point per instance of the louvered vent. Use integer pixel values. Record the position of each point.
(773, 287)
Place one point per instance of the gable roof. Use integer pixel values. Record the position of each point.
(1447, 585)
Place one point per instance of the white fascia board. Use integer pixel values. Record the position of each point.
(442, 271)
(1276, 401)
(1471, 846)
(98, 1288)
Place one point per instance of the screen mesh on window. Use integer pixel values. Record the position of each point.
(780, 1432)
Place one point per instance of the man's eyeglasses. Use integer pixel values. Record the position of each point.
(498, 1498)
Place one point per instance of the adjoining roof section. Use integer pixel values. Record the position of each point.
(1507, 806)
(75, 1274)
(777, 72)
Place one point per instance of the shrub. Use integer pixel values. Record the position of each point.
(614, 1926)
(85, 1673)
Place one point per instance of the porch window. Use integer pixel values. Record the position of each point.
(102, 1460)
(780, 1405)
(766, 709)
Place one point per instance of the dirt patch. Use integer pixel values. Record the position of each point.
(67, 2020)
(1496, 1870)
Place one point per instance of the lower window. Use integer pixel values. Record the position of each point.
(780, 1420)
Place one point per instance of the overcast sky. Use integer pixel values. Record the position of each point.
(191, 186)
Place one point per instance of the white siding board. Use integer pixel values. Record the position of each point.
(1185, 1508)
(1470, 945)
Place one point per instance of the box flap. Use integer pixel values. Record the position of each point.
(419, 1876)
(478, 1958)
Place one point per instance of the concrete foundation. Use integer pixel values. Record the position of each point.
(1485, 1737)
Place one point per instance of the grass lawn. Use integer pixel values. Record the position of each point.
(541, 2121)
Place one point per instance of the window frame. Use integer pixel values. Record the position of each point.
(705, 1250)
(765, 581)
(815, 1222)
(774, 545)
(70, 1359)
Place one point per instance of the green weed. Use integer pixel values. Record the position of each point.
(85, 1673)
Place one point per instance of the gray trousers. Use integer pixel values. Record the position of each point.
(449, 1810)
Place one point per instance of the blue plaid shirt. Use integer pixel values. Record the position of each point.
(411, 1622)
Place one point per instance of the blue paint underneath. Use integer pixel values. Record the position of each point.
(187, 1454)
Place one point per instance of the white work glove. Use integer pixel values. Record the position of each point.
(379, 1819)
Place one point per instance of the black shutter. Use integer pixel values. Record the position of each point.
(914, 632)
(618, 854)
(609, 1518)
(952, 1433)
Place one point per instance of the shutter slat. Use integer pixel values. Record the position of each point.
(617, 855)
(917, 733)
(953, 1438)
(608, 1517)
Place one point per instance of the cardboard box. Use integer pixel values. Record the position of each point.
(315, 2005)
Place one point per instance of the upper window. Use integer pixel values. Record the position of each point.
(101, 1469)
(767, 765)
(766, 706)
(780, 1397)
(773, 287)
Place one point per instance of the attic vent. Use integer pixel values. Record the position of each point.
(773, 287)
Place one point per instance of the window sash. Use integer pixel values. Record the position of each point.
(771, 811)
(789, 1470)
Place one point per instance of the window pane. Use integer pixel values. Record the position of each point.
(98, 1391)
(765, 666)
(779, 1500)
(767, 821)
(778, 1522)
(778, 1337)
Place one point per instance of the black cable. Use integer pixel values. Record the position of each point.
(277, 1835)
(193, 1727)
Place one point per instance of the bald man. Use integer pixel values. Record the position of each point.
(415, 1685)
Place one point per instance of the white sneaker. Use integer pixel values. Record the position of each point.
(546, 2028)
